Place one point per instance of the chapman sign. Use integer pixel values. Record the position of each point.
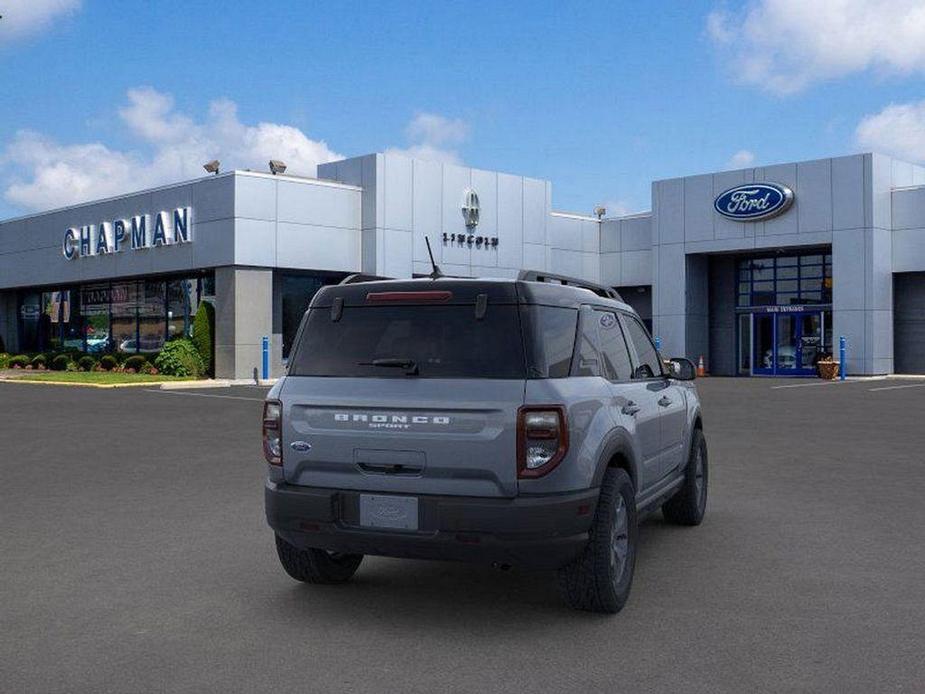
(141, 231)
(754, 202)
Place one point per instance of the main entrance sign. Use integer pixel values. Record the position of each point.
(754, 202)
(166, 229)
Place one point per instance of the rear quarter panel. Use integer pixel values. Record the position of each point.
(590, 424)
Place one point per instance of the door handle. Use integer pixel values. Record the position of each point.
(664, 401)
(630, 408)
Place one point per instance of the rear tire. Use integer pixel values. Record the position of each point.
(689, 504)
(600, 579)
(316, 565)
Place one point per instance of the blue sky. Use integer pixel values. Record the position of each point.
(600, 98)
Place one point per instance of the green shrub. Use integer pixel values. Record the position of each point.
(20, 360)
(108, 362)
(179, 358)
(38, 361)
(136, 361)
(4, 360)
(60, 363)
(203, 332)
(87, 363)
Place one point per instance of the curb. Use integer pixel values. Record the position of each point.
(180, 385)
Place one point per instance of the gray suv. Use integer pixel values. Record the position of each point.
(526, 422)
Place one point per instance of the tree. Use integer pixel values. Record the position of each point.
(203, 335)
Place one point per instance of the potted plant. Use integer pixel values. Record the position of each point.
(827, 367)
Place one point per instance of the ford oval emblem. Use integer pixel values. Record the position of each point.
(300, 446)
(754, 201)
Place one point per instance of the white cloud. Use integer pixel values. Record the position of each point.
(899, 129)
(785, 45)
(45, 174)
(64, 174)
(741, 159)
(435, 129)
(25, 17)
(434, 137)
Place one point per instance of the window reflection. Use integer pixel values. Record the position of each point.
(127, 316)
(785, 280)
(151, 330)
(124, 312)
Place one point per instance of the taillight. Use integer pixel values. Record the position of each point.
(272, 441)
(542, 439)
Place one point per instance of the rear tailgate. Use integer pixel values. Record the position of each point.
(412, 435)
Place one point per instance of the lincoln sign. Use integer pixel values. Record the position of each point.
(141, 231)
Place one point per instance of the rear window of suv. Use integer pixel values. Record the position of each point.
(444, 341)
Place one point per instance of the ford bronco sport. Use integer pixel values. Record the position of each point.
(525, 422)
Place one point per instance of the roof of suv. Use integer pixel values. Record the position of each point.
(455, 290)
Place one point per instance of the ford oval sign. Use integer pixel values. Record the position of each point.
(754, 202)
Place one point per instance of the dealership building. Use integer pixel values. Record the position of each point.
(758, 270)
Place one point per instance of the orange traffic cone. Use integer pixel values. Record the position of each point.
(701, 371)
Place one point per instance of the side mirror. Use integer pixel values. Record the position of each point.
(681, 369)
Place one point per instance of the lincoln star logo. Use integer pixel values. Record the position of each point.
(389, 421)
(470, 208)
(754, 202)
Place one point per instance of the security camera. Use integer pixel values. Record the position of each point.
(277, 166)
(212, 166)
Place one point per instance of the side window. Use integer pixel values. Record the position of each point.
(616, 357)
(588, 359)
(550, 339)
(649, 365)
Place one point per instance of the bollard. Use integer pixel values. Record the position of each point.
(266, 358)
(842, 365)
(658, 344)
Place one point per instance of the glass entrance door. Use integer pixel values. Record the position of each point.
(763, 343)
(745, 343)
(786, 344)
(811, 343)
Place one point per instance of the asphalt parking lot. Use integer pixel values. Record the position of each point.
(134, 556)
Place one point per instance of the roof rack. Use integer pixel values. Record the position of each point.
(361, 277)
(599, 289)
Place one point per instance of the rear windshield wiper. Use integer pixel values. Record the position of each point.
(409, 365)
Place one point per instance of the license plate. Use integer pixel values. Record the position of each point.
(398, 512)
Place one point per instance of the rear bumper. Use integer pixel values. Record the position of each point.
(535, 532)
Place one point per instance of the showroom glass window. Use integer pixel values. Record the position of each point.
(126, 316)
(785, 280)
(151, 328)
(124, 313)
(94, 310)
(182, 303)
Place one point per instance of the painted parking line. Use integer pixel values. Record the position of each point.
(202, 395)
(808, 385)
(907, 385)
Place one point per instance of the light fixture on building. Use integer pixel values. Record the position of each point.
(212, 166)
(277, 166)
(600, 211)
